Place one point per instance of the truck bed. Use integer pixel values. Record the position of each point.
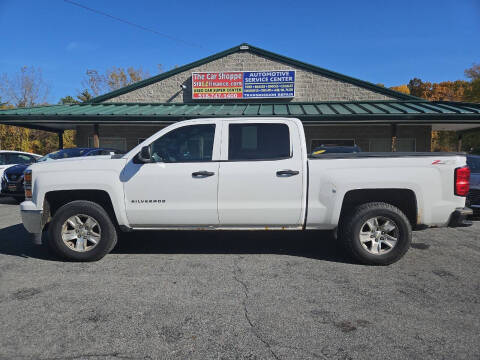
(362, 155)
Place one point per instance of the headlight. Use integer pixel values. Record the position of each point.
(27, 176)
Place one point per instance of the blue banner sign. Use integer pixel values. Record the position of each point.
(268, 84)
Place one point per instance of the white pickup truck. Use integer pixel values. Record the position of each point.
(244, 174)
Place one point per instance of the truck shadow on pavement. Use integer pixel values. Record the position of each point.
(319, 245)
(8, 201)
(14, 240)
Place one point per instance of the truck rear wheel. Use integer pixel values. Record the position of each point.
(376, 233)
(82, 231)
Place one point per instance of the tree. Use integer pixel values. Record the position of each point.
(472, 93)
(449, 90)
(68, 100)
(26, 88)
(473, 72)
(114, 78)
(442, 91)
(84, 96)
(418, 88)
(459, 90)
(401, 88)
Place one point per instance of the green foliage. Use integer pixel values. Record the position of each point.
(472, 94)
(84, 96)
(68, 100)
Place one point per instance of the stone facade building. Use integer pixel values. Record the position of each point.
(312, 85)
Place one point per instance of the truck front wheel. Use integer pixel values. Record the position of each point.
(376, 233)
(81, 231)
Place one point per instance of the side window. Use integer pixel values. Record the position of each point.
(258, 141)
(3, 160)
(192, 143)
(18, 159)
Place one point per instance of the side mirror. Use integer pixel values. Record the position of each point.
(145, 155)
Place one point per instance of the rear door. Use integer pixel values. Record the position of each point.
(261, 179)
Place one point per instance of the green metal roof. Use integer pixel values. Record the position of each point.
(263, 53)
(320, 112)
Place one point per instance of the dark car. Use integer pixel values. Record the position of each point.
(473, 197)
(12, 179)
(333, 149)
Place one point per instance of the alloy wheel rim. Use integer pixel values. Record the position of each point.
(81, 233)
(379, 235)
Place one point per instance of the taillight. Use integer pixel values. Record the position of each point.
(27, 183)
(462, 181)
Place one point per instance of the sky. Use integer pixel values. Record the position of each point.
(388, 41)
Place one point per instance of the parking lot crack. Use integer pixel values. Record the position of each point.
(236, 272)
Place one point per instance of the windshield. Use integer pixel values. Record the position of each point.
(64, 154)
(473, 163)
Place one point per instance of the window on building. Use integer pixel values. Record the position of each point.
(110, 142)
(258, 141)
(192, 143)
(316, 143)
(380, 145)
(406, 144)
(385, 144)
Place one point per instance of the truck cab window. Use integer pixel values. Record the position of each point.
(258, 141)
(191, 143)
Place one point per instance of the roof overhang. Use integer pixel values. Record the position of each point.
(440, 115)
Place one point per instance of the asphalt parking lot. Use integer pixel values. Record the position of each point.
(273, 295)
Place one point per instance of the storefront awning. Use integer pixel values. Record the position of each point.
(439, 114)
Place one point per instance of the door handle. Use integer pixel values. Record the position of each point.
(287, 173)
(202, 174)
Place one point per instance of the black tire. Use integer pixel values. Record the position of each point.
(108, 237)
(350, 227)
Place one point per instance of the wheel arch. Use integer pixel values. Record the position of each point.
(57, 198)
(404, 199)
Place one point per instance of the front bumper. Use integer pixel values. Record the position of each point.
(12, 188)
(459, 217)
(32, 218)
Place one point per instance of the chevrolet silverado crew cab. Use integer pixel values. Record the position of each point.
(244, 174)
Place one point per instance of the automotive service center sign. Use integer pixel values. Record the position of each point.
(243, 84)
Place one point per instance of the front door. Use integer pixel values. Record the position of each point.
(179, 186)
(261, 176)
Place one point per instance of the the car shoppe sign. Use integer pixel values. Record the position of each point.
(243, 84)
